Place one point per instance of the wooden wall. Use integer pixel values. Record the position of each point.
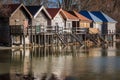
(41, 19)
(58, 20)
(84, 24)
(18, 18)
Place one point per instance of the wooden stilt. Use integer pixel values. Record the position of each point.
(39, 39)
(32, 35)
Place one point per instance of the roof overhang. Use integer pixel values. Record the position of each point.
(72, 19)
(42, 8)
(21, 5)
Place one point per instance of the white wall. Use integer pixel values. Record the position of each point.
(68, 26)
(58, 19)
(98, 26)
(111, 27)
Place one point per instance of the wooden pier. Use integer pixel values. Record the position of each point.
(52, 35)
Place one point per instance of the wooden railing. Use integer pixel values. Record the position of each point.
(80, 30)
(19, 30)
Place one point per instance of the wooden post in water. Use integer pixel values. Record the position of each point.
(23, 38)
(32, 35)
(35, 37)
(44, 37)
(52, 40)
(39, 39)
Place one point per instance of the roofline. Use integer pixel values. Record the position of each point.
(90, 21)
(19, 7)
(104, 15)
(109, 17)
(94, 16)
(16, 10)
(57, 12)
(42, 8)
(73, 19)
(68, 18)
(27, 11)
(64, 14)
(83, 16)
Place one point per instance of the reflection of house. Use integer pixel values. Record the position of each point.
(18, 20)
(96, 22)
(5, 60)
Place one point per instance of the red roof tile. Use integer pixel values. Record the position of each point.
(69, 16)
(53, 11)
(81, 17)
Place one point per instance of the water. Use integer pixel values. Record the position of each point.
(70, 63)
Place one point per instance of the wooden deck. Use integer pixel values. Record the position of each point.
(52, 35)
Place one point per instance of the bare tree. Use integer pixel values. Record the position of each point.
(4, 10)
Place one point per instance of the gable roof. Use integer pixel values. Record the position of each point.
(14, 7)
(103, 16)
(90, 16)
(81, 17)
(34, 10)
(53, 11)
(69, 16)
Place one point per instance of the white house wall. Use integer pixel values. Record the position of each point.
(111, 27)
(58, 20)
(98, 26)
(68, 26)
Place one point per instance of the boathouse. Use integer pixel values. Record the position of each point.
(65, 23)
(19, 21)
(57, 19)
(15, 24)
(109, 24)
(40, 21)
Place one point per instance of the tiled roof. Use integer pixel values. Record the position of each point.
(90, 16)
(33, 9)
(103, 16)
(53, 11)
(69, 16)
(81, 17)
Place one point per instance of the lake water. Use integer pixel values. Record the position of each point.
(61, 63)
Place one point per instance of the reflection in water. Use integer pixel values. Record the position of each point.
(5, 64)
(57, 63)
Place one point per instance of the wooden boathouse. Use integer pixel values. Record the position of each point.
(19, 21)
(14, 25)
(108, 26)
(40, 21)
